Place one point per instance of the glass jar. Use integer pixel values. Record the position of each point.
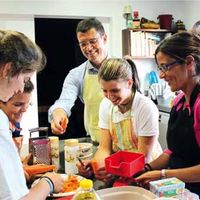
(71, 150)
(55, 157)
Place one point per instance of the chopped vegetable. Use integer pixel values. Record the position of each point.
(70, 184)
(38, 169)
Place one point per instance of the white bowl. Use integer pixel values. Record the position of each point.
(85, 149)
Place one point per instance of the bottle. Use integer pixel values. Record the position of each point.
(129, 21)
(71, 151)
(136, 20)
(86, 191)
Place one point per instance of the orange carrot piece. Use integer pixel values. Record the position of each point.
(38, 169)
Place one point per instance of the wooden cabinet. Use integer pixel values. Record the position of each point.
(141, 43)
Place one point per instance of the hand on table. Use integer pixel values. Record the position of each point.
(59, 121)
(57, 180)
(145, 178)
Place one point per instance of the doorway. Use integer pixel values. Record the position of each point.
(57, 38)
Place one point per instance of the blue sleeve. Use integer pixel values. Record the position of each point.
(72, 88)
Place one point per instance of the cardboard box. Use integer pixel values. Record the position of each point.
(167, 187)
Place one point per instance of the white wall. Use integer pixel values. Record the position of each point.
(109, 11)
(19, 15)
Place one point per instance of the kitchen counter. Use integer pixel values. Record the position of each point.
(164, 108)
(97, 183)
(163, 104)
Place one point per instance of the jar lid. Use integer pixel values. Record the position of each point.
(86, 183)
(53, 138)
(71, 142)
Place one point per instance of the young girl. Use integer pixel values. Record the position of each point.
(128, 120)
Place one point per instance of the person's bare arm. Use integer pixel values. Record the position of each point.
(187, 175)
(105, 146)
(145, 146)
(41, 190)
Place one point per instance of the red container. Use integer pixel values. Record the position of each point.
(165, 21)
(124, 163)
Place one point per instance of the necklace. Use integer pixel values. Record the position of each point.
(125, 107)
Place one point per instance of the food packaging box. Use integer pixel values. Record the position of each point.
(124, 163)
(167, 187)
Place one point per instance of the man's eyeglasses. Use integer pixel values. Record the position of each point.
(166, 67)
(89, 42)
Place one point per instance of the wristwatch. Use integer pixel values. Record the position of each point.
(163, 174)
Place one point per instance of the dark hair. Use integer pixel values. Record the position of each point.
(117, 68)
(181, 45)
(21, 52)
(28, 86)
(87, 24)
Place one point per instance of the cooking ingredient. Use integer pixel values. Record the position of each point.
(38, 169)
(64, 123)
(86, 191)
(70, 184)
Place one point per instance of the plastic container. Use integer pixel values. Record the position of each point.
(126, 193)
(165, 21)
(124, 163)
(86, 191)
(152, 78)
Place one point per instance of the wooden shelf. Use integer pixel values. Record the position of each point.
(148, 39)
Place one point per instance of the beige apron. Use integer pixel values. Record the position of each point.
(92, 96)
(124, 137)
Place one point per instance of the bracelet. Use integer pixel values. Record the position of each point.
(147, 167)
(50, 182)
(163, 173)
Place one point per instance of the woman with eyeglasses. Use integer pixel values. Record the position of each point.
(178, 59)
